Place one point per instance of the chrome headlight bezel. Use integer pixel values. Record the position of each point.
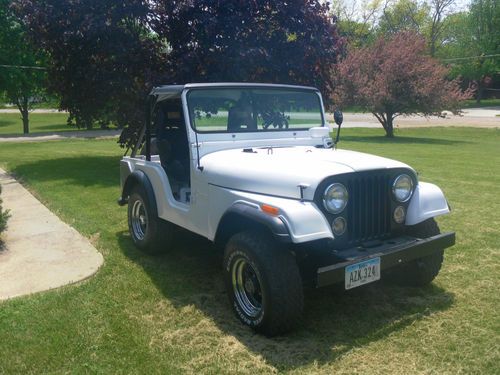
(399, 180)
(328, 199)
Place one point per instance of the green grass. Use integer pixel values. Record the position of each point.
(484, 103)
(48, 104)
(353, 109)
(11, 123)
(142, 315)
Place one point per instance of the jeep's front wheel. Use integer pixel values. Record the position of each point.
(263, 283)
(421, 271)
(149, 233)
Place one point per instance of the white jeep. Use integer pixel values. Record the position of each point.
(252, 168)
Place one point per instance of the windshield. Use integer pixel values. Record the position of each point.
(229, 110)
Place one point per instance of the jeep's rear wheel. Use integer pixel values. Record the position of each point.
(263, 283)
(149, 233)
(421, 271)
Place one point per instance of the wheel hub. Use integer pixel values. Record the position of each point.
(139, 220)
(247, 287)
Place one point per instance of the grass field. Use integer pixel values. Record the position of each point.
(484, 103)
(142, 315)
(11, 123)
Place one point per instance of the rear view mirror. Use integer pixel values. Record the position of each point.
(338, 117)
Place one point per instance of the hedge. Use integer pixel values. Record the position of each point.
(4, 215)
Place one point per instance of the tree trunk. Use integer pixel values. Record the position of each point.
(23, 106)
(433, 47)
(26, 122)
(480, 91)
(386, 119)
(389, 127)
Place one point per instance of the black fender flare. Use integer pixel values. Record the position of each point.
(252, 214)
(139, 178)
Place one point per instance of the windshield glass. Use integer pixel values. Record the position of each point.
(231, 110)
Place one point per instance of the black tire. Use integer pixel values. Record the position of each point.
(149, 233)
(424, 270)
(269, 279)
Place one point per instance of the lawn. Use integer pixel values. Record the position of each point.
(142, 315)
(11, 123)
(484, 103)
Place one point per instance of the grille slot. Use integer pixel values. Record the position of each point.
(368, 208)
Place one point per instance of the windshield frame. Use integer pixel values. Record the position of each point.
(254, 87)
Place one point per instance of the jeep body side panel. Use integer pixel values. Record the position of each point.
(126, 169)
(427, 201)
(304, 220)
(188, 216)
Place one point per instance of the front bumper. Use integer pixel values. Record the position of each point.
(392, 252)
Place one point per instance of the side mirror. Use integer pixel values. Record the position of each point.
(338, 117)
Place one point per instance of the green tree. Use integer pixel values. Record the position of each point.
(357, 20)
(403, 15)
(20, 85)
(439, 10)
(474, 36)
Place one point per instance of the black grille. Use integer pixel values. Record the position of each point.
(368, 210)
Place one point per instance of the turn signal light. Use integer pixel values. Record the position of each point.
(271, 210)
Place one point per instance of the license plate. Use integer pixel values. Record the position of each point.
(362, 273)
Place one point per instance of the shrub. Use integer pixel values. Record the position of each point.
(4, 215)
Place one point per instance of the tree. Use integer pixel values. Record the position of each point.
(439, 11)
(106, 55)
(357, 20)
(261, 41)
(474, 43)
(403, 15)
(102, 56)
(394, 77)
(20, 85)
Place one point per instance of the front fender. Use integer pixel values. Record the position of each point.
(303, 220)
(428, 201)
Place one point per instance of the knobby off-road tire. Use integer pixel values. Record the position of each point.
(263, 283)
(421, 271)
(149, 233)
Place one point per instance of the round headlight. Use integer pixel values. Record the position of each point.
(335, 198)
(402, 188)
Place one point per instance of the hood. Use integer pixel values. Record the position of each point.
(279, 170)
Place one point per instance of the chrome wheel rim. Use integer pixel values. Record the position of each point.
(139, 220)
(247, 288)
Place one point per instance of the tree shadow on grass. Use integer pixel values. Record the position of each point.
(402, 140)
(58, 127)
(4, 123)
(334, 322)
(85, 171)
